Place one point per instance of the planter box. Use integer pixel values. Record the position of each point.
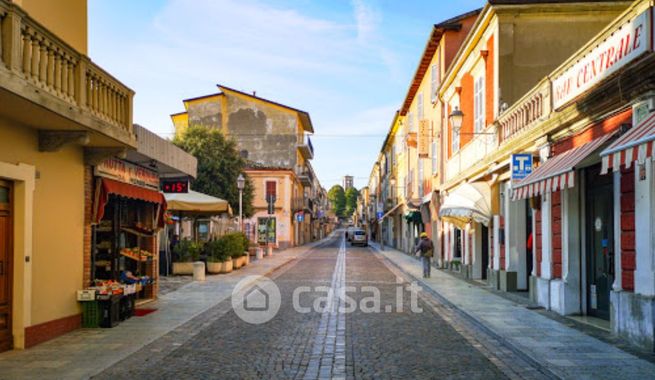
(226, 267)
(246, 259)
(183, 268)
(236, 263)
(252, 251)
(214, 268)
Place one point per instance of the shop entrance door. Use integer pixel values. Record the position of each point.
(485, 250)
(6, 271)
(599, 242)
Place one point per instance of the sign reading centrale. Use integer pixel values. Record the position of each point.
(129, 173)
(626, 43)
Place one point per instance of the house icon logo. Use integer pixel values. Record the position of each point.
(256, 299)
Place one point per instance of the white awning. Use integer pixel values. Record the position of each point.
(195, 202)
(470, 202)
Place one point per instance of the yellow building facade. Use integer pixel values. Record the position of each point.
(60, 113)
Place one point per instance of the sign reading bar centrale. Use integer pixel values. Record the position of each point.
(628, 42)
(129, 173)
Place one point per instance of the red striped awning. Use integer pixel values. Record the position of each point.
(634, 145)
(557, 173)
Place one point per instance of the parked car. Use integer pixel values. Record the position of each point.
(359, 238)
(349, 234)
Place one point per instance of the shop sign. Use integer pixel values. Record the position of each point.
(423, 139)
(521, 165)
(129, 173)
(628, 42)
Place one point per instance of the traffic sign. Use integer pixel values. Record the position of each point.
(521, 165)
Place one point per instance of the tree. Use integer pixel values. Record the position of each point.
(351, 201)
(219, 166)
(337, 197)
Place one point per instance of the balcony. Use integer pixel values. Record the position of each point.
(306, 148)
(48, 85)
(526, 113)
(305, 176)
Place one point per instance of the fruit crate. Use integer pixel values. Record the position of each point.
(91, 314)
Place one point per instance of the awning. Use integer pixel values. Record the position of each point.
(556, 173)
(634, 145)
(470, 202)
(108, 186)
(195, 202)
(394, 208)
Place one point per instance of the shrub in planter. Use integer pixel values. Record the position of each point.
(186, 252)
(217, 257)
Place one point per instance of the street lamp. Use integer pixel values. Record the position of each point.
(456, 117)
(241, 183)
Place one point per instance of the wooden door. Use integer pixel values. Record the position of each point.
(5, 265)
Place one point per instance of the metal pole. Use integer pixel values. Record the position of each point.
(240, 210)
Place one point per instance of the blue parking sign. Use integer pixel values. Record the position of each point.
(521, 165)
(380, 214)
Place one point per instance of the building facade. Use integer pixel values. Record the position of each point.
(274, 139)
(542, 180)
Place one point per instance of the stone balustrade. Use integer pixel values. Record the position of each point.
(45, 61)
(525, 113)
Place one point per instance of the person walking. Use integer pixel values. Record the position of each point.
(424, 249)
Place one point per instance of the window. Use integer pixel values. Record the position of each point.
(434, 157)
(419, 100)
(478, 100)
(455, 142)
(271, 189)
(434, 82)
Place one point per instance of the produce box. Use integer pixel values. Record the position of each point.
(86, 295)
(91, 314)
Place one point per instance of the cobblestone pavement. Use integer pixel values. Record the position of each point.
(329, 343)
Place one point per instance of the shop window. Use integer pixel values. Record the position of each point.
(458, 243)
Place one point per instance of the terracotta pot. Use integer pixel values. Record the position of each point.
(246, 259)
(183, 268)
(236, 263)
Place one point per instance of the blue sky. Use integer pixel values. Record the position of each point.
(347, 63)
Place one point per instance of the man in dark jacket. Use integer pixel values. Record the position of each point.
(425, 249)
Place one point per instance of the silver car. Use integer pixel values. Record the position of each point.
(359, 238)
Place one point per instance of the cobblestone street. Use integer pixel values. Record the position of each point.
(393, 343)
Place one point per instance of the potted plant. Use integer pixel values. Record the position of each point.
(245, 242)
(186, 252)
(217, 258)
(234, 249)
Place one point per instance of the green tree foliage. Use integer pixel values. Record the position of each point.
(337, 197)
(351, 201)
(219, 165)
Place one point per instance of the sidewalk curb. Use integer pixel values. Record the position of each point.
(479, 324)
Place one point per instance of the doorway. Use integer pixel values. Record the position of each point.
(484, 238)
(528, 244)
(599, 241)
(6, 270)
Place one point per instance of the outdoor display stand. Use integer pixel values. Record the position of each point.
(126, 220)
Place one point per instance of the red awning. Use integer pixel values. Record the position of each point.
(108, 186)
(634, 145)
(558, 172)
